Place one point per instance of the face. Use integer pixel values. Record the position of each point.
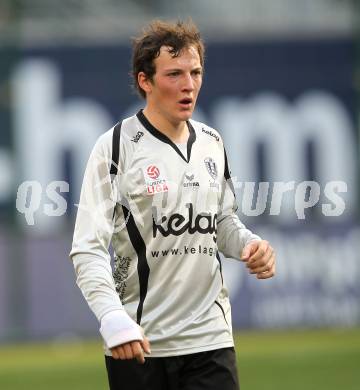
(173, 92)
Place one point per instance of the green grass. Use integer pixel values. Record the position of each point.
(306, 360)
(55, 366)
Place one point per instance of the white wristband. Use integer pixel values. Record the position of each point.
(118, 328)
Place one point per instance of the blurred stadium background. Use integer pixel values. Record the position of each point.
(281, 85)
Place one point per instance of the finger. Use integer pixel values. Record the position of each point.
(248, 250)
(128, 351)
(263, 264)
(114, 353)
(245, 254)
(260, 252)
(268, 274)
(137, 352)
(121, 352)
(265, 268)
(260, 262)
(146, 345)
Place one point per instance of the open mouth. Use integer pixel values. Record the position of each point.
(185, 101)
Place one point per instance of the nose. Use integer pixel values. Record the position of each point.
(188, 83)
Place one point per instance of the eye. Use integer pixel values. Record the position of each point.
(197, 72)
(173, 74)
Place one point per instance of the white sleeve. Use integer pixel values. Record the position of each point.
(93, 232)
(118, 328)
(232, 235)
(90, 255)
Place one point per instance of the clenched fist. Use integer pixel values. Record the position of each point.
(259, 257)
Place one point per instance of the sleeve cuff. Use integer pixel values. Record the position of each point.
(118, 328)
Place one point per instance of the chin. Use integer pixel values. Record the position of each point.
(185, 115)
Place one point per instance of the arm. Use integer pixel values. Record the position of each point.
(91, 258)
(235, 240)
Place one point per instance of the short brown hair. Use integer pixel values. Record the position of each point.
(146, 47)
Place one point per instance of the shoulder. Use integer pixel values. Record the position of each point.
(103, 144)
(126, 133)
(206, 133)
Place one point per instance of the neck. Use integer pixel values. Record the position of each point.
(178, 132)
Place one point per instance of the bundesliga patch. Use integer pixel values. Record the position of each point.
(154, 182)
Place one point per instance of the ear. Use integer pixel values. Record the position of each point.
(144, 82)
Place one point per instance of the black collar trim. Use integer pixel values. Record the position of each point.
(162, 137)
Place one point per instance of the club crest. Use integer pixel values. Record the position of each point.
(211, 167)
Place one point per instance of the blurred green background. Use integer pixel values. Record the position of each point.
(313, 360)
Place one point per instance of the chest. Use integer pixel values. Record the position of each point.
(159, 179)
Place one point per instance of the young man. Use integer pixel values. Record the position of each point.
(157, 187)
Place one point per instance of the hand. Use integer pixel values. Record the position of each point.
(260, 259)
(132, 350)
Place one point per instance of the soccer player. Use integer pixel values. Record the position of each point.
(157, 187)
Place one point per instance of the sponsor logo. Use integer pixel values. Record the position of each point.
(185, 250)
(177, 224)
(190, 183)
(209, 132)
(156, 184)
(137, 137)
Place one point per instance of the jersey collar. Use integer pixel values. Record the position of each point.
(162, 137)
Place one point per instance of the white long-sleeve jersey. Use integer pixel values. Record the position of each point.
(166, 213)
